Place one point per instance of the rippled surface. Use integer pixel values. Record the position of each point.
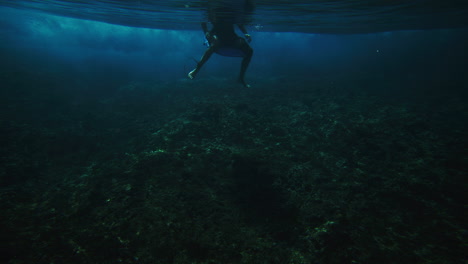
(280, 15)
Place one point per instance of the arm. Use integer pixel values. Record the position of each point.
(208, 35)
(204, 26)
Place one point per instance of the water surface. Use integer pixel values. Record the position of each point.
(297, 16)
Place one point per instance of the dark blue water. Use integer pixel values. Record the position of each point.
(349, 147)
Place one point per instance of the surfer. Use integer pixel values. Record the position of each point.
(223, 40)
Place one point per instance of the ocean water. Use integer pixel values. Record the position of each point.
(350, 145)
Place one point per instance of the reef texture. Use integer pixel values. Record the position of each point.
(208, 172)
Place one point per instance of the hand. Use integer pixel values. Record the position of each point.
(210, 37)
(248, 37)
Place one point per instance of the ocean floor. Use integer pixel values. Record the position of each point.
(205, 171)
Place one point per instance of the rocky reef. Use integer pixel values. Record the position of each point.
(322, 171)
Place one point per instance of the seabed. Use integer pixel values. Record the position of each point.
(206, 171)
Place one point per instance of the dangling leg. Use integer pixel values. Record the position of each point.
(202, 61)
(248, 51)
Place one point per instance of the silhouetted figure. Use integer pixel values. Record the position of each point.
(222, 39)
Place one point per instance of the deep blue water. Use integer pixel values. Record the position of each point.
(88, 47)
(350, 146)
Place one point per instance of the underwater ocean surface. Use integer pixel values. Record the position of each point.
(350, 146)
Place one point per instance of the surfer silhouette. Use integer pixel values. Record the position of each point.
(223, 40)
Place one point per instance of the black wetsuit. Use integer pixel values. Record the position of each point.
(224, 41)
(225, 33)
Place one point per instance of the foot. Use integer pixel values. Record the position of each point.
(246, 85)
(192, 74)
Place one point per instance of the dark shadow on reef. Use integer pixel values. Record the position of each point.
(258, 197)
